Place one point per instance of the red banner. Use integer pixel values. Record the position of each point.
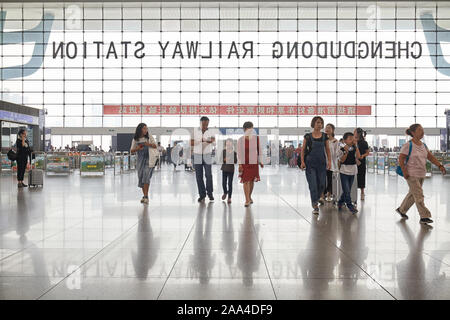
(248, 110)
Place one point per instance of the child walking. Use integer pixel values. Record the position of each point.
(347, 156)
(229, 160)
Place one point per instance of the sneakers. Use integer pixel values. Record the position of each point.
(201, 199)
(340, 205)
(315, 208)
(426, 220)
(211, 198)
(321, 202)
(353, 210)
(404, 216)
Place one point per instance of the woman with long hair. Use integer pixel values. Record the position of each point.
(333, 145)
(23, 153)
(147, 155)
(416, 154)
(360, 136)
(249, 156)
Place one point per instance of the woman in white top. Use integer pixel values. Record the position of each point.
(147, 155)
(333, 144)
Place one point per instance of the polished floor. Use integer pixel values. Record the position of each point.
(91, 238)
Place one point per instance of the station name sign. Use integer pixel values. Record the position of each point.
(238, 50)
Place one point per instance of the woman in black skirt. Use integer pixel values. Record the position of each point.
(363, 147)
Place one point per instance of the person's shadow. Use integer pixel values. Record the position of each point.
(249, 252)
(318, 261)
(415, 281)
(146, 253)
(229, 246)
(202, 261)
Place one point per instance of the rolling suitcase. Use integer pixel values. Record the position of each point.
(354, 191)
(36, 178)
(292, 162)
(337, 189)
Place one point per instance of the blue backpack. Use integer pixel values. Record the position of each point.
(399, 169)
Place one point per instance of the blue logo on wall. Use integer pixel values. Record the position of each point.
(435, 35)
(39, 35)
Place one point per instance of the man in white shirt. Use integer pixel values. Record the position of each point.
(203, 144)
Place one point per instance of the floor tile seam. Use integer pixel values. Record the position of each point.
(109, 245)
(333, 244)
(40, 241)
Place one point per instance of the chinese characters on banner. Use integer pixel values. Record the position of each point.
(233, 110)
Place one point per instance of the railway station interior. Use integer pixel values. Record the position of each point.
(79, 77)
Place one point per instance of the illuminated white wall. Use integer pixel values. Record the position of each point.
(401, 91)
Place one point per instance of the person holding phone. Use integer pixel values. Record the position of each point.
(23, 153)
(147, 156)
(348, 156)
(202, 144)
(414, 171)
(360, 136)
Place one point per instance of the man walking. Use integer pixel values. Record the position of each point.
(202, 144)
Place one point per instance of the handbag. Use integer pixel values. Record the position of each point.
(12, 155)
(399, 169)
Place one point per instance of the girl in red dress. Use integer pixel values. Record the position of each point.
(248, 159)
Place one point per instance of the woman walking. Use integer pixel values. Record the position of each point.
(314, 160)
(413, 159)
(147, 155)
(333, 145)
(23, 153)
(248, 159)
(364, 151)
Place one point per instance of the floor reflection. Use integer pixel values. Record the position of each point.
(26, 263)
(249, 253)
(203, 260)
(354, 250)
(179, 248)
(416, 280)
(229, 245)
(22, 218)
(147, 246)
(318, 261)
